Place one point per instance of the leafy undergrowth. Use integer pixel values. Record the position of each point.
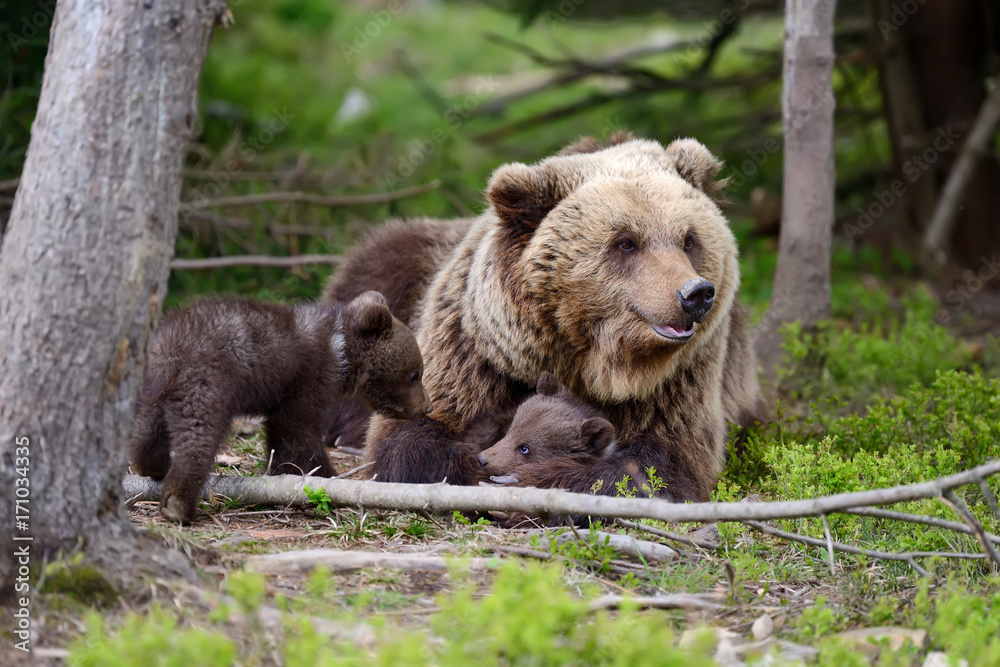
(918, 416)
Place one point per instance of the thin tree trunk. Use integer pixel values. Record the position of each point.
(84, 264)
(802, 280)
(903, 111)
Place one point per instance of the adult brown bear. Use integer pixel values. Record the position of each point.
(611, 266)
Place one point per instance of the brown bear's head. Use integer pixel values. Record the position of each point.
(549, 425)
(383, 359)
(620, 255)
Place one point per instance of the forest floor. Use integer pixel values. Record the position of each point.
(496, 595)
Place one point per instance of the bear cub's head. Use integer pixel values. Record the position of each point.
(549, 425)
(383, 359)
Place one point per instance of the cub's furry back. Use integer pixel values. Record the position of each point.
(225, 357)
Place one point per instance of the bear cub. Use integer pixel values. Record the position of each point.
(226, 357)
(549, 427)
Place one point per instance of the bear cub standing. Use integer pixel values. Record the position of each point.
(226, 357)
(550, 428)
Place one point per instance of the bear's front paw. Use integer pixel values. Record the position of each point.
(174, 509)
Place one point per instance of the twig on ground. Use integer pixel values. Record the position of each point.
(691, 542)
(952, 500)
(907, 557)
(624, 544)
(338, 560)
(676, 601)
(352, 471)
(916, 518)
(829, 543)
(522, 551)
(991, 498)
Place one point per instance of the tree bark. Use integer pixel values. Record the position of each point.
(802, 280)
(84, 264)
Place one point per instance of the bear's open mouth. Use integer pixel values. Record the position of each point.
(670, 333)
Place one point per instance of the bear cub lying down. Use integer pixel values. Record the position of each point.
(226, 357)
(549, 427)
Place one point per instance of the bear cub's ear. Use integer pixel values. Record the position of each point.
(522, 196)
(547, 385)
(597, 432)
(695, 164)
(368, 314)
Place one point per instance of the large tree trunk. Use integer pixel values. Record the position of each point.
(802, 280)
(84, 264)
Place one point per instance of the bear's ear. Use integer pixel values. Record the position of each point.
(695, 164)
(368, 314)
(547, 384)
(522, 196)
(597, 432)
(592, 145)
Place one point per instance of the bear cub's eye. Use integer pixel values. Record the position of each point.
(415, 377)
(627, 245)
(523, 449)
(688, 243)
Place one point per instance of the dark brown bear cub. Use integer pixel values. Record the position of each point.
(226, 357)
(550, 429)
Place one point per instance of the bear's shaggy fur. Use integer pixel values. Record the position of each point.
(226, 357)
(549, 428)
(611, 266)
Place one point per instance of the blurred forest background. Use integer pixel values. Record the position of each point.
(422, 99)
(369, 96)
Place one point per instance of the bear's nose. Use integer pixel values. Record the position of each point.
(482, 460)
(696, 297)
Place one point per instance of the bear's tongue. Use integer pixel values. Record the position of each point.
(668, 331)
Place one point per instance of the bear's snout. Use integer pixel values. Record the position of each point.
(482, 460)
(696, 298)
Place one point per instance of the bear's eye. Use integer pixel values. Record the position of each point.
(415, 377)
(688, 243)
(628, 245)
(523, 449)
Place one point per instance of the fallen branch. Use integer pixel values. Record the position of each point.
(683, 539)
(624, 544)
(907, 557)
(675, 601)
(287, 490)
(340, 561)
(251, 260)
(317, 200)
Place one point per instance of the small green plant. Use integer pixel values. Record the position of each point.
(624, 487)
(153, 639)
(655, 483)
(319, 499)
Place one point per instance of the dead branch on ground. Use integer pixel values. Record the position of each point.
(287, 490)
